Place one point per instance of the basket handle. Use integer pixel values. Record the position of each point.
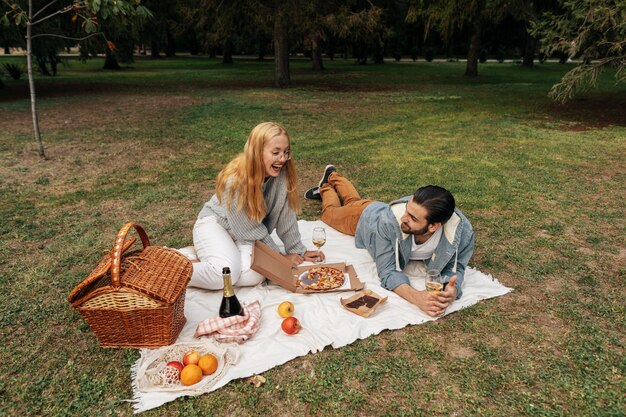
(116, 252)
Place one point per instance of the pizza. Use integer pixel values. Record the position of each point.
(323, 278)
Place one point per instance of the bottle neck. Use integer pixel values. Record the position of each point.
(228, 286)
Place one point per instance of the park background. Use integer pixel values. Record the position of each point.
(543, 183)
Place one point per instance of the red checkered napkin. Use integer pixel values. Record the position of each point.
(236, 329)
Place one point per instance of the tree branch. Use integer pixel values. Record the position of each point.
(65, 10)
(582, 78)
(44, 8)
(66, 37)
(9, 4)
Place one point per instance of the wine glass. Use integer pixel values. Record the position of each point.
(319, 239)
(434, 280)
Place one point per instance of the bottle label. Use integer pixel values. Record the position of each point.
(228, 287)
(230, 304)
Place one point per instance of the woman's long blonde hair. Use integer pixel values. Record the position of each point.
(245, 174)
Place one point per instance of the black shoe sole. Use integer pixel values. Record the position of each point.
(324, 179)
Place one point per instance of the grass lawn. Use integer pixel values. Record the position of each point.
(543, 184)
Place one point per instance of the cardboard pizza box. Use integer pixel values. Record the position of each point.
(363, 303)
(280, 271)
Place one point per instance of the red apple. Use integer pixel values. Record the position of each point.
(191, 358)
(291, 325)
(177, 365)
(172, 371)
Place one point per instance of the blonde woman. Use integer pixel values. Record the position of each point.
(255, 194)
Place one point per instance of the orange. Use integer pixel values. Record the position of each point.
(191, 374)
(208, 364)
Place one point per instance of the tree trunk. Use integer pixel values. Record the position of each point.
(228, 52)
(154, 46)
(281, 52)
(450, 44)
(170, 48)
(378, 53)
(361, 53)
(316, 54)
(53, 64)
(471, 70)
(31, 82)
(43, 65)
(194, 48)
(529, 51)
(110, 62)
(331, 47)
(7, 51)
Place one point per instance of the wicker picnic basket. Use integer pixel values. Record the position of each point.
(135, 299)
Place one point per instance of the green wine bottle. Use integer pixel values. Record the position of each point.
(230, 304)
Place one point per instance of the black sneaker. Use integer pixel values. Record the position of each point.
(327, 171)
(313, 194)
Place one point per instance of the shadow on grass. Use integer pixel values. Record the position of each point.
(593, 112)
(61, 89)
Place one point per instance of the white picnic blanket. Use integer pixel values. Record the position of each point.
(324, 321)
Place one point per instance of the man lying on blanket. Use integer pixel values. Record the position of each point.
(425, 227)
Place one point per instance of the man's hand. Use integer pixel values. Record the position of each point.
(432, 303)
(449, 295)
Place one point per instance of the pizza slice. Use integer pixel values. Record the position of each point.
(323, 278)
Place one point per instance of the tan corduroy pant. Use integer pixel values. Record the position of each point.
(343, 217)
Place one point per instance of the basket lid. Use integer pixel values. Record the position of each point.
(159, 272)
(84, 289)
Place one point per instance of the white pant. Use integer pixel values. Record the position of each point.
(216, 249)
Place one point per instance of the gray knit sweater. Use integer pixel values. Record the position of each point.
(245, 230)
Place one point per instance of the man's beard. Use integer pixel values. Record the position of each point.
(421, 232)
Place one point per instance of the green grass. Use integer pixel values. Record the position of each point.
(543, 185)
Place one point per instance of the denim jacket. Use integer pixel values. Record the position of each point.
(379, 232)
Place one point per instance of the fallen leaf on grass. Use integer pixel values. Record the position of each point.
(256, 380)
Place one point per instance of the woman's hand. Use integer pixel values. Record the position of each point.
(294, 258)
(310, 255)
(314, 256)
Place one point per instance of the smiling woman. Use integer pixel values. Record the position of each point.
(276, 154)
(256, 193)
